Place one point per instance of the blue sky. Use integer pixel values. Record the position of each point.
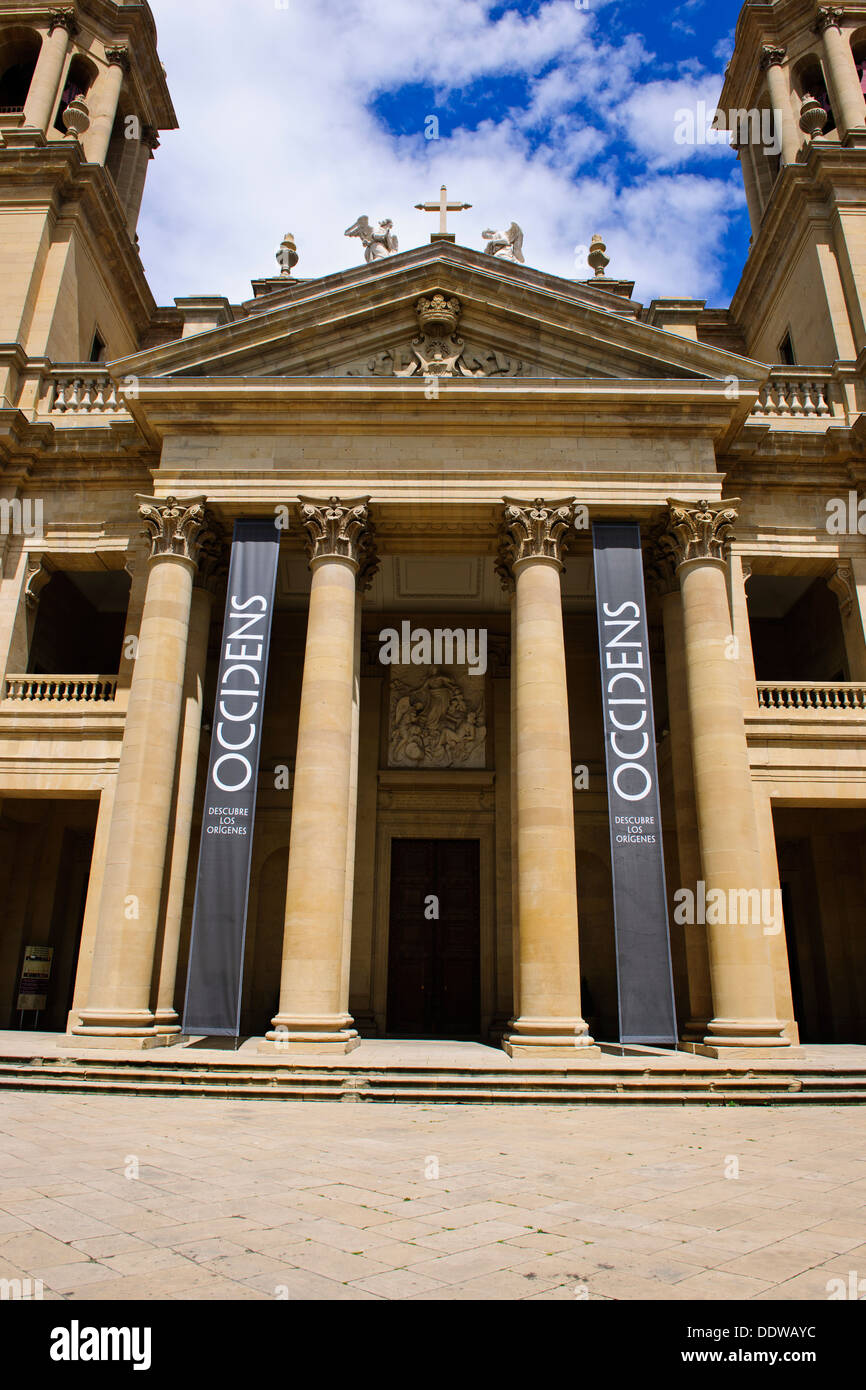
(557, 114)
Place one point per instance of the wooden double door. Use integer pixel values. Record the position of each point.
(434, 955)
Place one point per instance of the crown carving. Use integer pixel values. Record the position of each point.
(772, 56)
(63, 19)
(438, 316)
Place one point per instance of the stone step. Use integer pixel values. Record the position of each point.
(455, 1084)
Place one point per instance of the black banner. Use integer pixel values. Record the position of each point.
(643, 951)
(213, 987)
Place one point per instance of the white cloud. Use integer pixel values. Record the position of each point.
(277, 133)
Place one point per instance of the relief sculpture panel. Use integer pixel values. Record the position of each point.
(437, 718)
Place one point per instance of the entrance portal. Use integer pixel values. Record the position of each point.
(434, 958)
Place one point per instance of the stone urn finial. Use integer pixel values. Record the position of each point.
(597, 258)
(813, 117)
(287, 256)
(76, 117)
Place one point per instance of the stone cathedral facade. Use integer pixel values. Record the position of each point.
(431, 429)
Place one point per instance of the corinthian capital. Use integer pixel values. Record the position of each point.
(828, 18)
(177, 526)
(699, 532)
(118, 55)
(772, 56)
(533, 531)
(338, 530)
(63, 19)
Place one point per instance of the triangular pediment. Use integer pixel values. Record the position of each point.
(511, 321)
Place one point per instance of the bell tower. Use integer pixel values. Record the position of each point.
(793, 99)
(82, 99)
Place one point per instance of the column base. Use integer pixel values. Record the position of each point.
(333, 1035)
(742, 1038)
(131, 1029)
(548, 1037)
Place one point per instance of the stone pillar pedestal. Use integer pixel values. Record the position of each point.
(314, 991)
(845, 91)
(744, 1021)
(548, 964)
(119, 1009)
(45, 85)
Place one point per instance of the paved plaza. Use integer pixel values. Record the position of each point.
(112, 1198)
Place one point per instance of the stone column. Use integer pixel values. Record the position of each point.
(778, 86)
(744, 1015)
(211, 571)
(548, 965)
(119, 1007)
(103, 99)
(750, 183)
(366, 574)
(313, 1014)
(662, 577)
(846, 95)
(45, 86)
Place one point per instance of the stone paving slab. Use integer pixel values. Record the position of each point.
(116, 1197)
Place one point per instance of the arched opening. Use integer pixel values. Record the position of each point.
(807, 80)
(79, 80)
(19, 52)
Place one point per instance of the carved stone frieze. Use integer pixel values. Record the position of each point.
(437, 718)
(338, 530)
(176, 526)
(699, 532)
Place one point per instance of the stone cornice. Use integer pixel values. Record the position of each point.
(547, 408)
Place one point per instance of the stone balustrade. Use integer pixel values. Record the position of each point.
(85, 393)
(56, 689)
(809, 696)
(790, 394)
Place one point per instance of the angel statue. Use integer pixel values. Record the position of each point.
(508, 246)
(377, 245)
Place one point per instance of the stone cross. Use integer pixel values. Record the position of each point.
(443, 207)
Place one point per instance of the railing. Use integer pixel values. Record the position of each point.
(794, 395)
(57, 689)
(811, 695)
(83, 394)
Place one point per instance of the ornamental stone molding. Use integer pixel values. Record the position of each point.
(828, 18)
(338, 530)
(118, 57)
(182, 527)
(533, 531)
(842, 583)
(772, 56)
(63, 19)
(699, 532)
